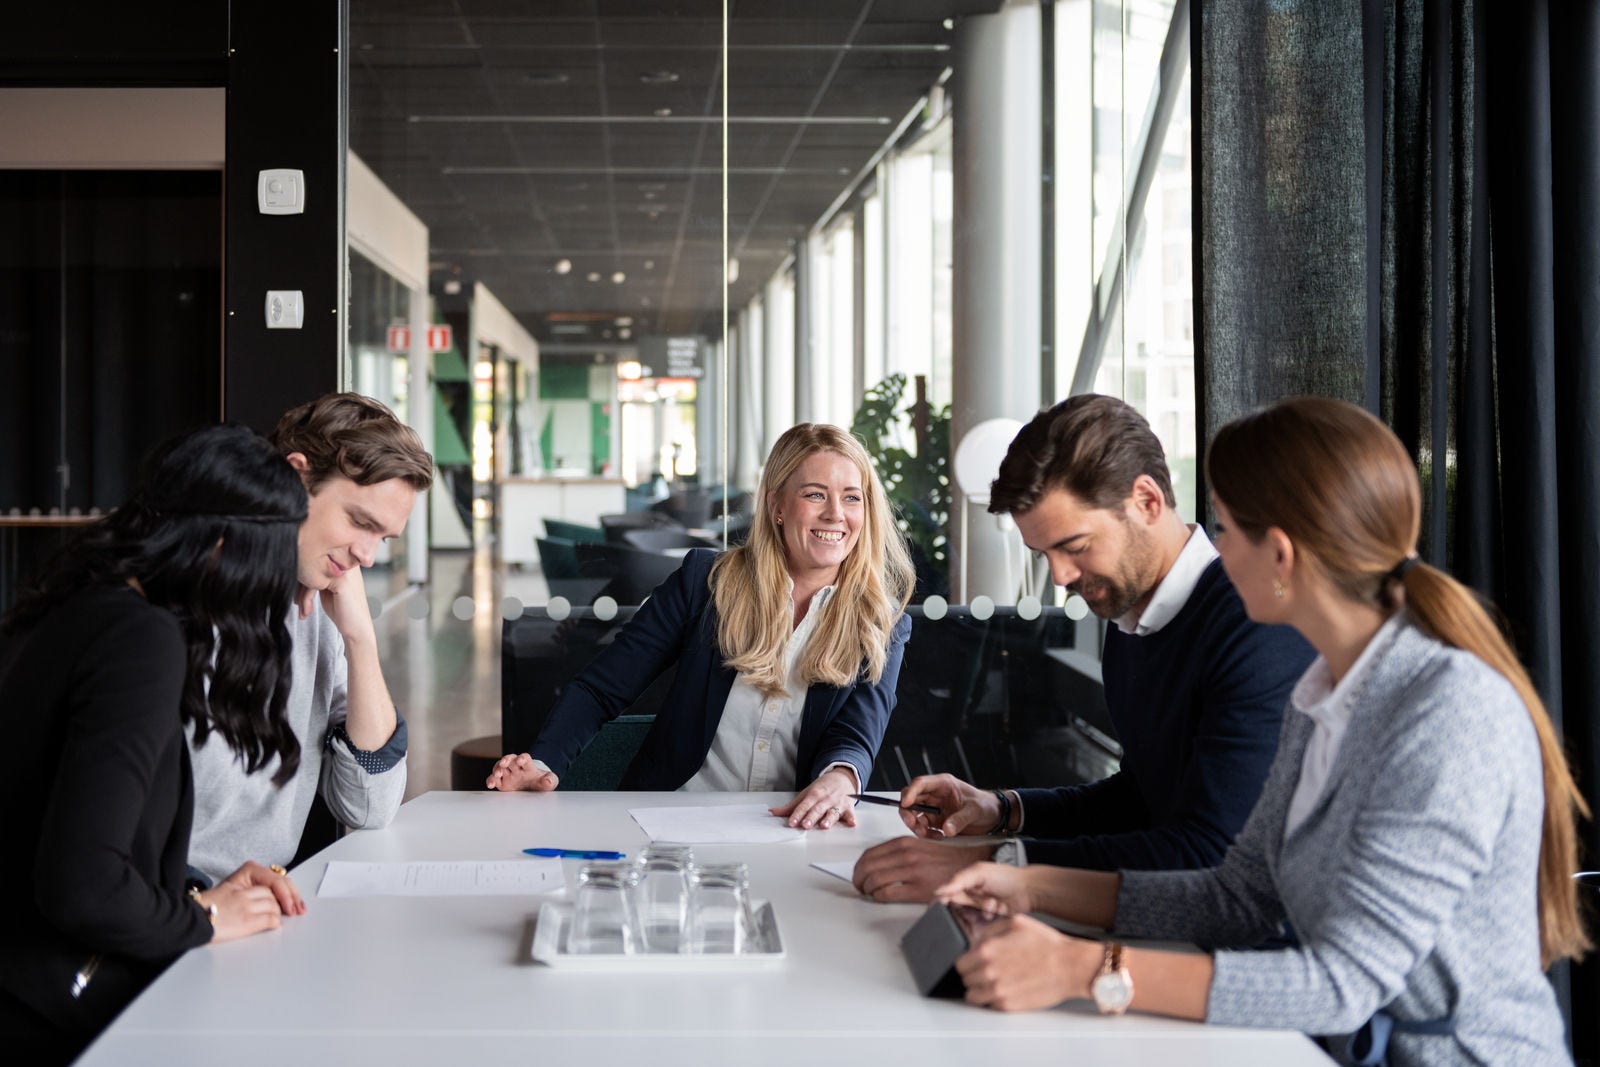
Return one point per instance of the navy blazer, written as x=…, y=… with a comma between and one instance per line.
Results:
x=678, y=624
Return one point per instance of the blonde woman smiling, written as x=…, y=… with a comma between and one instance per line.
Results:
x=787, y=648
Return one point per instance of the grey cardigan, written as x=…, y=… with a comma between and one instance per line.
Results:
x=1412, y=885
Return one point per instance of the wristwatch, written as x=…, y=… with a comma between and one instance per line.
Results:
x=1010, y=853
x=1112, y=988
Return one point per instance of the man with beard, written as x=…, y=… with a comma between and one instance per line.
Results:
x=1195, y=690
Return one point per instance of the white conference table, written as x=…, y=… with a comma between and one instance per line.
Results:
x=398, y=981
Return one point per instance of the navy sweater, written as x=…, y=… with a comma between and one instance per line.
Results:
x=1197, y=707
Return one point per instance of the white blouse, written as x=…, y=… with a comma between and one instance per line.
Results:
x=1328, y=706
x=756, y=744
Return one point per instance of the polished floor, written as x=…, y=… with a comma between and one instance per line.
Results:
x=440, y=648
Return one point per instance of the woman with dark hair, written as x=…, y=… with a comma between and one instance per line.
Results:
x=1417, y=830
x=168, y=613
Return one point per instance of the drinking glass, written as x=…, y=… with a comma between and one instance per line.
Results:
x=719, y=909
x=603, y=917
x=664, y=896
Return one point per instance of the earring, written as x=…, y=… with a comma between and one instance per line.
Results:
x=1277, y=589
x=780, y=520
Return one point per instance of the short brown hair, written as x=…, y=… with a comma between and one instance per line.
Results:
x=1095, y=447
x=355, y=437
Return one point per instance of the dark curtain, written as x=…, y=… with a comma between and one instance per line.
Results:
x=110, y=327
x=1396, y=205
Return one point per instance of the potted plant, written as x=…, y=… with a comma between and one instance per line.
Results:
x=917, y=481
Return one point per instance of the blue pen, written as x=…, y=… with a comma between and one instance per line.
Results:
x=575, y=853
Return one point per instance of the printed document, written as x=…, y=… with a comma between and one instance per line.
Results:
x=720, y=824
x=500, y=878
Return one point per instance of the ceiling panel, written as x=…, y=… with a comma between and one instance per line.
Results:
x=588, y=131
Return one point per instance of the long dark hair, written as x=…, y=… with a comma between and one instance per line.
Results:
x=1340, y=485
x=210, y=534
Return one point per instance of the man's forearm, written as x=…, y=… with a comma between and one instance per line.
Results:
x=369, y=710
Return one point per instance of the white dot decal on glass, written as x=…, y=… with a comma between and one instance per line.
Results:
x=1028, y=608
x=511, y=609
x=935, y=607
x=605, y=609
x=417, y=607
x=982, y=608
x=1077, y=607
x=558, y=608
x=374, y=606
x=461, y=607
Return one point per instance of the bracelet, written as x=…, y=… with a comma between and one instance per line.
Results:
x=210, y=909
x=1005, y=813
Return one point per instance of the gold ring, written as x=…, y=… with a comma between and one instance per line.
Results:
x=276, y=869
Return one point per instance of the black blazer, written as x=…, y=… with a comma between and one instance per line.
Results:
x=97, y=796
x=678, y=624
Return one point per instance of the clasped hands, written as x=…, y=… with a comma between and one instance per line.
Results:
x=251, y=899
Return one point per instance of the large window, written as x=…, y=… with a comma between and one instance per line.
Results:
x=1124, y=303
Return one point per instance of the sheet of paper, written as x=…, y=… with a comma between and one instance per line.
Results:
x=500, y=878
x=721, y=824
x=842, y=869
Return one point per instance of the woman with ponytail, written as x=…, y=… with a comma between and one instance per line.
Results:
x=166, y=614
x=1417, y=833
x=787, y=648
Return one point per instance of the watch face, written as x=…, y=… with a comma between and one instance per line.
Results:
x=1113, y=992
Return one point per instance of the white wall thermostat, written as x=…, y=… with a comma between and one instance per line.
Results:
x=281, y=192
x=286, y=309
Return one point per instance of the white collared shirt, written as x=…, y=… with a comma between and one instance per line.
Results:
x=756, y=744
x=1173, y=592
x=1329, y=707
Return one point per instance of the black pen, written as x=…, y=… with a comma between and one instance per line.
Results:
x=926, y=809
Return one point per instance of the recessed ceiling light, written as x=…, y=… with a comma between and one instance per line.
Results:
x=949, y=24
x=563, y=266
x=594, y=276
x=452, y=286
x=659, y=77
x=545, y=77
x=624, y=334
x=619, y=277
x=624, y=320
x=663, y=112
x=649, y=264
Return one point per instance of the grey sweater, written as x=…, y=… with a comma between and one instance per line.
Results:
x=1412, y=884
x=240, y=817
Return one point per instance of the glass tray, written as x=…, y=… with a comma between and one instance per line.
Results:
x=549, y=948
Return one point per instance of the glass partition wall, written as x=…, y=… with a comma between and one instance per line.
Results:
x=661, y=234
x=711, y=230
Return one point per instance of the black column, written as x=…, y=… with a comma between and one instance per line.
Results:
x=286, y=109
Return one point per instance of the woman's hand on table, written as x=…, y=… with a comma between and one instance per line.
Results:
x=241, y=909
x=521, y=771
x=823, y=802
x=274, y=879
x=1017, y=963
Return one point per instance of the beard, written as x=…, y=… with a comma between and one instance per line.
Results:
x=1113, y=596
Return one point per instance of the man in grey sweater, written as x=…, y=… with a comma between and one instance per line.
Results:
x=363, y=469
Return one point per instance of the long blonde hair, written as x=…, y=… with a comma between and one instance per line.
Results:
x=1340, y=485
x=750, y=585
